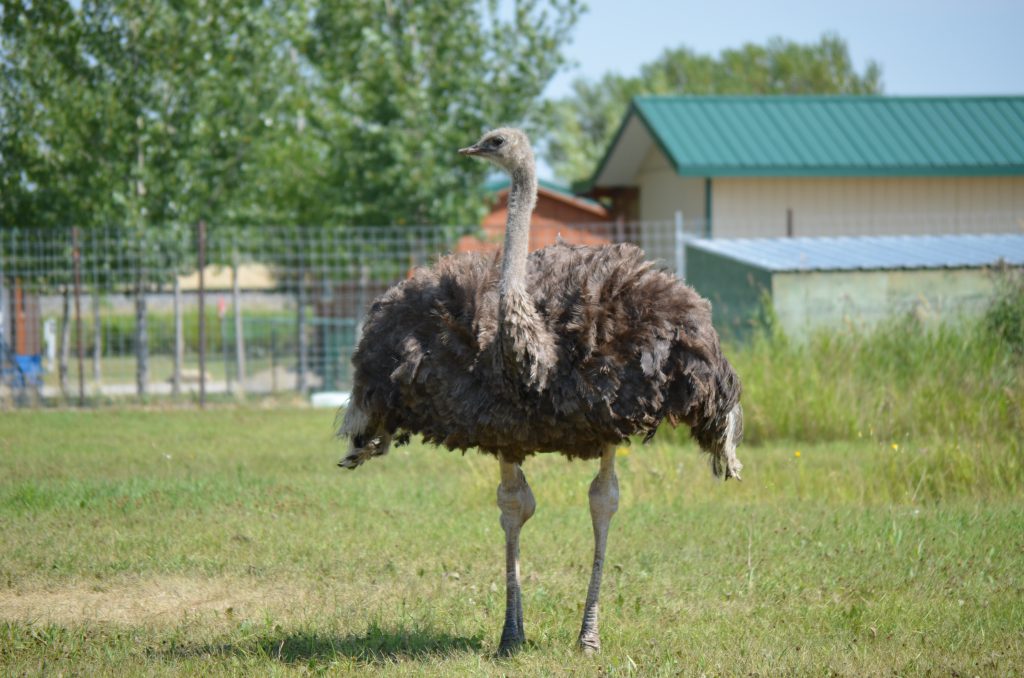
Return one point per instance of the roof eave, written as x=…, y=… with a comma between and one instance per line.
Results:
x=592, y=181
x=634, y=107
x=716, y=172
x=594, y=208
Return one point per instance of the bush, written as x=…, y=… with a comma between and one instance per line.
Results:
x=1004, y=319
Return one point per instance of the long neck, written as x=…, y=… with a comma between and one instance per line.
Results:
x=523, y=340
x=522, y=197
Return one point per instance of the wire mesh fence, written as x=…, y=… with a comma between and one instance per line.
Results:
x=111, y=312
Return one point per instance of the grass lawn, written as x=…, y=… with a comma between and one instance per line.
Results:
x=225, y=542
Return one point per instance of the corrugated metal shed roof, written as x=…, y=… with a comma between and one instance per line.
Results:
x=831, y=135
x=870, y=253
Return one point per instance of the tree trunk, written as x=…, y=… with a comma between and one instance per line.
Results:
x=179, y=340
x=65, y=341
x=141, y=342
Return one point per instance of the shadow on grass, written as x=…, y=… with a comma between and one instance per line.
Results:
x=377, y=645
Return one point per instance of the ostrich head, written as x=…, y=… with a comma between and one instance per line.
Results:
x=506, y=147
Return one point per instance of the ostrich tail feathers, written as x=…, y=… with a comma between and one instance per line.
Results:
x=724, y=461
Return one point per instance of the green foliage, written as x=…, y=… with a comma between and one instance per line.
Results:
x=264, y=331
x=1005, y=317
x=153, y=115
x=138, y=115
x=401, y=85
x=583, y=124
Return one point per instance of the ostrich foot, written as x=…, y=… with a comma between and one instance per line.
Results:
x=510, y=645
x=589, y=644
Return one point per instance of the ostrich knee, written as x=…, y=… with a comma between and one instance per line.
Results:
x=517, y=505
x=604, y=502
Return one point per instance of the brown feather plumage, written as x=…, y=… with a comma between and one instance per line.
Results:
x=628, y=346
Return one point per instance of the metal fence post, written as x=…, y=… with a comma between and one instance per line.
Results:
x=3, y=325
x=222, y=316
x=97, y=325
x=201, y=237
x=300, y=322
x=236, y=304
x=273, y=356
x=179, y=336
x=76, y=259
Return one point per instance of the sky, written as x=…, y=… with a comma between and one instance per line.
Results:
x=923, y=46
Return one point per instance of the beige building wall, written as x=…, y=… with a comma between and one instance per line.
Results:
x=757, y=207
x=663, y=192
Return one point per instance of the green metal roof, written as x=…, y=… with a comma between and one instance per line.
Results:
x=829, y=135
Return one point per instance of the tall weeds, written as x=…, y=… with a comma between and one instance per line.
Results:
x=960, y=381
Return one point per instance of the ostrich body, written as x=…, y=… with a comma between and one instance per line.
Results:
x=568, y=349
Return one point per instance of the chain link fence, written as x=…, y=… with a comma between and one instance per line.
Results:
x=104, y=313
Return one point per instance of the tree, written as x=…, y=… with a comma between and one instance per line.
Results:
x=116, y=111
x=146, y=116
x=402, y=84
x=582, y=125
x=139, y=115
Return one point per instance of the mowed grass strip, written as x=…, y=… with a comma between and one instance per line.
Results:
x=226, y=542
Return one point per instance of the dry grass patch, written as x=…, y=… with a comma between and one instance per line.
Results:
x=160, y=601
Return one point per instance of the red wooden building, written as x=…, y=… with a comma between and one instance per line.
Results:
x=578, y=220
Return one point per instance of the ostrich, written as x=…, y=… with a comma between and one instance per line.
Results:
x=569, y=349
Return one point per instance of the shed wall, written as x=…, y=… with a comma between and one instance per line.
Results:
x=807, y=301
x=735, y=290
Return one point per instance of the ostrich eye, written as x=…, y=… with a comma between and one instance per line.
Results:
x=497, y=142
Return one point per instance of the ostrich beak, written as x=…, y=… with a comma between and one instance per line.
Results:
x=469, y=150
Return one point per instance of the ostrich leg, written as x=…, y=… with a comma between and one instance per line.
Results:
x=604, y=501
x=517, y=504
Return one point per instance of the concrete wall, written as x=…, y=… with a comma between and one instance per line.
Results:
x=756, y=207
x=808, y=301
